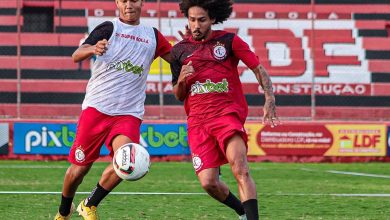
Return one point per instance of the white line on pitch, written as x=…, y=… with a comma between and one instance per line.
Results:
x=184, y=193
x=348, y=173
x=32, y=167
x=358, y=174
x=333, y=194
x=309, y=170
x=111, y=193
x=40, y=166
x=26, y=166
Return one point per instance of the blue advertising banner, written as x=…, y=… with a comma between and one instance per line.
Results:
x=4, y=138
x=45, y=138
x=56, y=139
x=165, y=139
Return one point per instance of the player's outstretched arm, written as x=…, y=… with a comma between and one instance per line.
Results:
x=167, y=57
x=86, y=51
x=269, y=105
x=180, y=89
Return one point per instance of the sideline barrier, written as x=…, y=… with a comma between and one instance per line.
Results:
x=291, y=141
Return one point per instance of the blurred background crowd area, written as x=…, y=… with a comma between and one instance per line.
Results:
x=328, y=59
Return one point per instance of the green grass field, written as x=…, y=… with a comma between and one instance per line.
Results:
x=31, y=190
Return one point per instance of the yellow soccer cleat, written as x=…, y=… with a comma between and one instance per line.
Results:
x=88, y=213
x=60, y=217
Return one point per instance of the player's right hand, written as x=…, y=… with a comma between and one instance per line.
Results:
x=185, y=35
x=269, y=116
x=186, y=71
x=101, y=47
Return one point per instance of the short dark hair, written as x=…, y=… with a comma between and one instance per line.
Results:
x=219, y=10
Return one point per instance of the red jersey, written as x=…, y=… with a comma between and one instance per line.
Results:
x=215, y=88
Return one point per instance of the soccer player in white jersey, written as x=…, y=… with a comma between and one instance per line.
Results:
x=113, y=107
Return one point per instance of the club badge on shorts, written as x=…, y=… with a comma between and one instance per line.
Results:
x=79, y=155
x=196, y=162
x=219, y=51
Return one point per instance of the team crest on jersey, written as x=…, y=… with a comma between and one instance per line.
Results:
x=219, y=51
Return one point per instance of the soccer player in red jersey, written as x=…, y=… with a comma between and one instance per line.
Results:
x=205, y=77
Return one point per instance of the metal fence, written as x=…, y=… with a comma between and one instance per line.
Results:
x=326, y=62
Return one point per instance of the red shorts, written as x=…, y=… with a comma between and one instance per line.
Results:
x=207, y=140
x=95, y=129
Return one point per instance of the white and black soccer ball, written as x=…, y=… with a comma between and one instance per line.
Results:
x=131, y=162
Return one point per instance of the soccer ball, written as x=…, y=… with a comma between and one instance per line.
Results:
x=131, y=162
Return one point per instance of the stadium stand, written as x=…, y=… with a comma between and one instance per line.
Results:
x=46, y=69
x=52, y=86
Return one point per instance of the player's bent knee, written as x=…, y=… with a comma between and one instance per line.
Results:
x=239, y=168
x=241, y=173
x=77, y=172
x=109, y=171
x=209, y=185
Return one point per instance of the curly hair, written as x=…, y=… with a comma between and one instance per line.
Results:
x=219, y=10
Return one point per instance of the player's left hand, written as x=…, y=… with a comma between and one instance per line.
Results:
x=186, y=71
x=269, y=110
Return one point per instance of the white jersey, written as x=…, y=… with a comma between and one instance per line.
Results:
x=118, y=82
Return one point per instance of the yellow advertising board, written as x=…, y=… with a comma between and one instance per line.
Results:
x=165, y=66
x=317, y=139
x=252, y=130
x=155, y=67
x=357, y=140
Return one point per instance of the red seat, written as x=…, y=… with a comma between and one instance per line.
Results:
x=381, y=89
x=40, y=62
x=9, y=20
x=379, y=66
x=376, y=43
x=33, y=85
x=370, y=24
x=41, y=39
